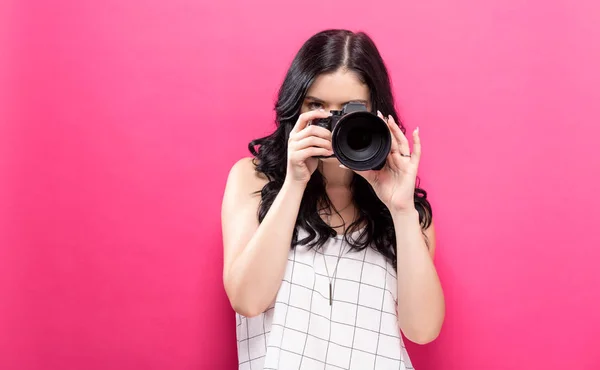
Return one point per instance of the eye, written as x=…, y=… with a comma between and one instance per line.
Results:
x=314, y=105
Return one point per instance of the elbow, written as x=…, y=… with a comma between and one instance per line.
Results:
x=424, y=329
x=246, y=310
x=242, y=303
x=424, y=337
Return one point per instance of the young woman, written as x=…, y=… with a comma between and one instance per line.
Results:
x=326, y=266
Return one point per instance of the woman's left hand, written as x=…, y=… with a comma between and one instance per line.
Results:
x=395, y=183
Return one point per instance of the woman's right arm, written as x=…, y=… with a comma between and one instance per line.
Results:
x=255, y=255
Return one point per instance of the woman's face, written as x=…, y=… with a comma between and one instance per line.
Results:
x=331, y=91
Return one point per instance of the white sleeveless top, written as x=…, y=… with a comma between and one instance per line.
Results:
x=301, y=330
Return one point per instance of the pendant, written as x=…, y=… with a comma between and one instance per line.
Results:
x=330, y=295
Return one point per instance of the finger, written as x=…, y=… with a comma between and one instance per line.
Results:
x=306, y=117
x=403, y=145
x=394, y=148
x=393, y=159
x=416, y=154
x=313, y=151
x=317, y=131
x=312, y=141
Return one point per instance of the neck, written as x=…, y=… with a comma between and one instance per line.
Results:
x=338, y=190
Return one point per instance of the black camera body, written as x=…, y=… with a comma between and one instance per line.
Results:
x=360, y=139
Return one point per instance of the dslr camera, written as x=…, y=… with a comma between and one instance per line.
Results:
x=360, y=139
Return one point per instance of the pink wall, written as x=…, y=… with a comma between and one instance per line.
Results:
x=125, y=116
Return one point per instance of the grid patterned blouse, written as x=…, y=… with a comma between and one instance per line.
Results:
x=306, y=329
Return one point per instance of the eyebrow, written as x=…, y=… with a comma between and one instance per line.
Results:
x=308, y=97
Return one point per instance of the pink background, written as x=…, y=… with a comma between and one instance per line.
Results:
x=121, y=119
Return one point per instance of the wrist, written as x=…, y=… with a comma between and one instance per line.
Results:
x=404, y=213
x=293, y=187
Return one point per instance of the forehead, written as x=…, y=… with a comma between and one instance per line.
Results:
x=338, y=87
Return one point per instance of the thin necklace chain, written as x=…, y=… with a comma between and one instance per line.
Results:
x=334, y=271
x=328, y=215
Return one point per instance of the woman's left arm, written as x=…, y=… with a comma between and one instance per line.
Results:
x=421, y=306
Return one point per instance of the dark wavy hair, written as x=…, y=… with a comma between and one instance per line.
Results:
x=323, y=53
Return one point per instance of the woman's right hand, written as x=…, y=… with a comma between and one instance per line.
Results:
x=306, y=142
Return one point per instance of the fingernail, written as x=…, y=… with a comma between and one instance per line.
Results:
x=379, y=113
x=417, y=130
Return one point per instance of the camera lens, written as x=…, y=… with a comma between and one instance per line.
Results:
x=359, y=138
x=361, y=141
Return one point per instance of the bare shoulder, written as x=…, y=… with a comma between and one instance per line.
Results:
x=243, y=175
x=243, y=186
x=241, y=200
